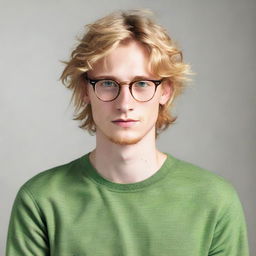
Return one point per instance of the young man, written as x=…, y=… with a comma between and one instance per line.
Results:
x=126, y=197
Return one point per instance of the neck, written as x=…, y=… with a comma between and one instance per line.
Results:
x=126, y=163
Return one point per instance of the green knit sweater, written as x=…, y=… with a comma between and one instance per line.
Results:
x=181, y=210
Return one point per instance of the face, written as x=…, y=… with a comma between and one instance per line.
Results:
x=125, y=121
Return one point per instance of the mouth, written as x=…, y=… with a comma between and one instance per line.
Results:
x=126, y=123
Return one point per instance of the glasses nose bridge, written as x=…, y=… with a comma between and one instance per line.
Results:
x=124, y=84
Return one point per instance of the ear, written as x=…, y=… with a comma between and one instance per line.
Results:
x=166, y=92
x=86, y=97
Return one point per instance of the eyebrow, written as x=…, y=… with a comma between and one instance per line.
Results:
x=136, y=78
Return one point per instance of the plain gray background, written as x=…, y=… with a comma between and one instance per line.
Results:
x=216, y=122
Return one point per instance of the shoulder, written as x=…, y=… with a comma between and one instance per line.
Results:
x=205, y=184
x=53, y=179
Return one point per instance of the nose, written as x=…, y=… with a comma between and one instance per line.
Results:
x=124, y=101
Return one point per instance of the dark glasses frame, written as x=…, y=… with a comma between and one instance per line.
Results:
x=94, y=81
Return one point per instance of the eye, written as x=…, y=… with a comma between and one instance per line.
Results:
x=142, y=84
x=107, y=84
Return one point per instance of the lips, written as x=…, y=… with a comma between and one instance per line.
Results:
x=125, y=122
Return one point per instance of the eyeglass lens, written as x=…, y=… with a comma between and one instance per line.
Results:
x=108, y=90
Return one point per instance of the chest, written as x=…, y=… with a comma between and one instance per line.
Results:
x=121, y=224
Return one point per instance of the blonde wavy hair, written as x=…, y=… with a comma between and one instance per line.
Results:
x=102, y=37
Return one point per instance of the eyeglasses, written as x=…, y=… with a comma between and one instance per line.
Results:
x=109, y=90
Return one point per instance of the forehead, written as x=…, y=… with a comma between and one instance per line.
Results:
x=127, y=60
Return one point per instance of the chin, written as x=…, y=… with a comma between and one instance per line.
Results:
x=126, y=137
x=121, y=140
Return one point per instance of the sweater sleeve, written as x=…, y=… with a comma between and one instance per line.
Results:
x=27, y=233
x=230, y=235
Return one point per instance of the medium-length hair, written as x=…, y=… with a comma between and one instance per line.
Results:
x=102, y=37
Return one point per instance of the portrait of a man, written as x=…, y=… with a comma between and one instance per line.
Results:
x=126, y=196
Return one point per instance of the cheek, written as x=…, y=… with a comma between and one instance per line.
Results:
x=96, y=113
x=152, y=112
x=99, y=111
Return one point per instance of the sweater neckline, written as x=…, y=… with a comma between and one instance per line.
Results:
x=93, y=175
